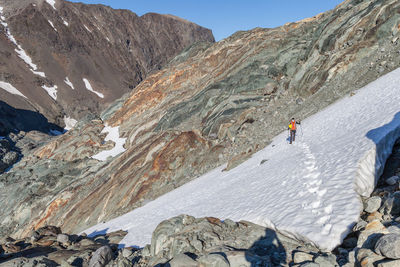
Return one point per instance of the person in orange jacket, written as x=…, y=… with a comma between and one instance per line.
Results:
x=292, y=128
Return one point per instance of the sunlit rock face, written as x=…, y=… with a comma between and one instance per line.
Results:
x=71, y=59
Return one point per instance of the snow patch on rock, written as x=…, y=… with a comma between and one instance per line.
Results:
x=87, y=28
x=52, y=91
x=90, y=88
x=21, y=52
x=309, y=190
x=52, y=25
x=52, y=3
x=11, y=89
x=113, y=135
x=69, y=123
x=69, y=83
x=65, y=22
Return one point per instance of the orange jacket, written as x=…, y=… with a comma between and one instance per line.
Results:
x=292, y=125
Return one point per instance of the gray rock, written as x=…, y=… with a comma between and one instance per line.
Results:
x=392, y=180
x=310, y=264
x=389, y=246
x=389, y=263
x=124, y=263
x=360, y=225
x=63, y=238
x=10, y=158
x=300, y=257
x=182, y=260
x=101, y=257
x=394, y=229
x=372, y=204
x=367, y=258
x=369, y=236
x=213, y=260
x=126, y=253
x=146, y=251
x=326, y=260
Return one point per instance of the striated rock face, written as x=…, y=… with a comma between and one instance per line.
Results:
x=211, y=104
x=55, y=56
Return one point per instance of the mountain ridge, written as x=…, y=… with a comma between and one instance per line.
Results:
x=112, y=49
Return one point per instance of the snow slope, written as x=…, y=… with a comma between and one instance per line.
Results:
x=309, y=190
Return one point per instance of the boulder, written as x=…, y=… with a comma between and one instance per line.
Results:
x=213, y=260
x=392, y=180
x=328, y=260
x=372, y=204
x=101, y=257
x=63, y=238
x=360, y=225
x=367, y=258
x=49, y=230
x=372, y=232
x=389, y=263
x=182, y=260
x=300, y=257
x=310, y=264
x=388, y=246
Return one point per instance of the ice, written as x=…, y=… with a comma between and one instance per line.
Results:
x=11, y=89
x=309, y=190
x=69, y=123
x=52, y=91
x=113, y=135
x=90, y=88
x=65, y=23
x=69, y=83
x=52, y=3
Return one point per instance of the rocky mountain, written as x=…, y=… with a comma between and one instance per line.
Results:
x=214, y=103
x=65, y=60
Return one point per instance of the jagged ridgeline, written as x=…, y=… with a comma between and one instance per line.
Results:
x=213, y=103
x=65, y=60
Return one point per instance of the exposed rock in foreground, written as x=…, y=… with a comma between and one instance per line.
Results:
x=210, y=105
x=73, y=59
x=181, y=241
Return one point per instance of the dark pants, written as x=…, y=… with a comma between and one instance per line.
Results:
x=292, y=136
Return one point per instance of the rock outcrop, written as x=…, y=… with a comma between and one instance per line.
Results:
x=70, y=59
x=211, y=104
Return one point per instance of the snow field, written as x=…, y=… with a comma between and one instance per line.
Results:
x=90, y=88
x=11, y=89
x=308, y=190
x=113, y=135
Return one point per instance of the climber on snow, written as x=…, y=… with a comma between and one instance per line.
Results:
x=292, y=129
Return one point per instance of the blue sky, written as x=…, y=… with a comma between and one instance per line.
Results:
x=225, y=17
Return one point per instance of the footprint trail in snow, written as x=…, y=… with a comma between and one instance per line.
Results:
x=312, y=184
